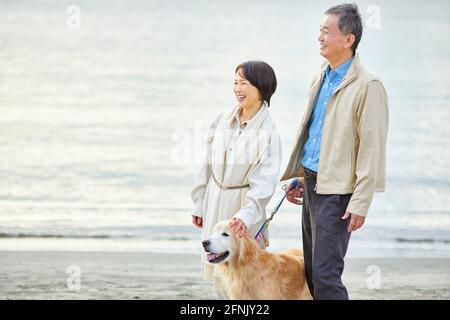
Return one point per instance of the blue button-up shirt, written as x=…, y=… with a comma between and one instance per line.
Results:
x=331, y=80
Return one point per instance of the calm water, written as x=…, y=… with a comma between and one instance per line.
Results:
x=101, y=126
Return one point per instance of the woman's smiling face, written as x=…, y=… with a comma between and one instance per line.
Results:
x=247, y=95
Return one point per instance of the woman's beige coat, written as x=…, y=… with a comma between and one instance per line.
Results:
x=252, y=158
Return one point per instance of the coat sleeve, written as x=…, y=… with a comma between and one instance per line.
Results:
x=203, y=176
x=371, y=152
x=262, y=180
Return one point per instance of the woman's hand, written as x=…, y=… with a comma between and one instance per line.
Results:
x=197, y=221
x=238, y=226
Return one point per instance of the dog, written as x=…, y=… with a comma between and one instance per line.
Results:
x=249, y=272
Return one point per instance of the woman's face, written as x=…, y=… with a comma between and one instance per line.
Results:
x=247, y=95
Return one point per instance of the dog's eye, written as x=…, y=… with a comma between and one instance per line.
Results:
x=225, y=234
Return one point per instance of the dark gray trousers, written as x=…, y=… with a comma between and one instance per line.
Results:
x=325, y=241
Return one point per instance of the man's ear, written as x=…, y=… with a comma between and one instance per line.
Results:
x=349, y=40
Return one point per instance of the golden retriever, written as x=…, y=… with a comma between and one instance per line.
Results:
x=249, y=272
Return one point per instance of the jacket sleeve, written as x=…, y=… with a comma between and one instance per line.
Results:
x=201, y=182
x=262, y=180
x=372, y=134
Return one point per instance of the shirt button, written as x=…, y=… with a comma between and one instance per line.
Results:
x=320, y=122
x=314, y=140
x=309, y=158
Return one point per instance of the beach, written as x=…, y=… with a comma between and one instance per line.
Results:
x=156, y=276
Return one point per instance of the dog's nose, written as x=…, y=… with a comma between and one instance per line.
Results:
x=206, y=243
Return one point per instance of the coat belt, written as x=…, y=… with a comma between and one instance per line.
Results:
x=223, y=187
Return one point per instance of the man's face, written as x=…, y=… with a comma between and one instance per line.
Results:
x=332, y=41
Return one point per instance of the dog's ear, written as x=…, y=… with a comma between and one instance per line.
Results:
x=247, y=250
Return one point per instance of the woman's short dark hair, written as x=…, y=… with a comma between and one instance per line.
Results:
x=261, y=76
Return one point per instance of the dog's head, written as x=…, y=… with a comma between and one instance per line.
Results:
x=219, y=246
x=224, y=245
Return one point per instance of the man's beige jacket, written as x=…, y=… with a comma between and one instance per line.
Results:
x=353, y=148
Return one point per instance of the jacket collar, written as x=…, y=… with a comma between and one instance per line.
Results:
x=352, y=73
x=341, y=71
x=261, y=114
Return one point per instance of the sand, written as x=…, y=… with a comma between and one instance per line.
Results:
x=119, y=275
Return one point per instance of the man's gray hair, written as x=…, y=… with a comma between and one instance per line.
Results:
x=350, y=21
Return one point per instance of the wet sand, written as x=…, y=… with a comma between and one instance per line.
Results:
x=119, y=275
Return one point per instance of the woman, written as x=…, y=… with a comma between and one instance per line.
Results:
x=242, y=162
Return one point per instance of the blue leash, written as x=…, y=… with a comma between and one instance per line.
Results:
x=295, y=184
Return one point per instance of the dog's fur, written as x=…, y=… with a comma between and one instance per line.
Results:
x=249, y=272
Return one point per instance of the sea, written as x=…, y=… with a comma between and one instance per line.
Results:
x=104, y=106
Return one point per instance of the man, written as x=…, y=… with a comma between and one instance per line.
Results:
x=339, y=153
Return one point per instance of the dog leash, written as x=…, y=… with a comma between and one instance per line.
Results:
x=295, y=184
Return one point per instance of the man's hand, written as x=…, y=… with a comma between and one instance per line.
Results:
x=294, y=194
x=238, y=226
x=197, y=221
x=356, y=221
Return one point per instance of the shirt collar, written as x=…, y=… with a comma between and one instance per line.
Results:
x=341, y=71
x=236, y=116
x=258, y=114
